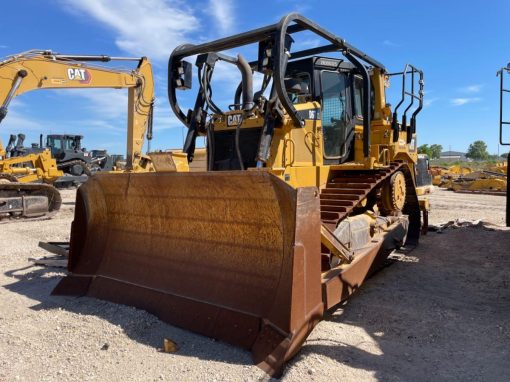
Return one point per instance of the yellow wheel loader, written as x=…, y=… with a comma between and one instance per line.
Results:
x=48, y=70
x=310, y=184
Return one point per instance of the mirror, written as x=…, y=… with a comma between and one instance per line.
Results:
x=183, y=75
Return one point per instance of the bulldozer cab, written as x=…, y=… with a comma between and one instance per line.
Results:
x=60, y=144
x=64, y=142
x=337, y=86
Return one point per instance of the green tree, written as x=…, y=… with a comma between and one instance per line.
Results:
x=435, y=151
x=504, y=155
x=425, y=149
x=478, y=151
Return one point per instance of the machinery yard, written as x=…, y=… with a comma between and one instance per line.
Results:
x=441, y=312
x=308, y=223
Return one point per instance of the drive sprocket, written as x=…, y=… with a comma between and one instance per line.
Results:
x=393, y=194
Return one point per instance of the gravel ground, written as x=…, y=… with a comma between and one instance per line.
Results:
x=440, y=313
x=448, y=205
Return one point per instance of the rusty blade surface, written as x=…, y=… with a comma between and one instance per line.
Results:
x=232, y=255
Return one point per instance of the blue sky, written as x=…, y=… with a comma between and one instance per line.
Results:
x=459, y=44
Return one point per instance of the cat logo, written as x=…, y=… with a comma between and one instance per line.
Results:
x=233, y=119
x=79, y=74
x=312, y=114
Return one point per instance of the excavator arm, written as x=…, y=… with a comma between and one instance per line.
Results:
x=47, y=70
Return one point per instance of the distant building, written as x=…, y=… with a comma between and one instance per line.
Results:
x=453, y=156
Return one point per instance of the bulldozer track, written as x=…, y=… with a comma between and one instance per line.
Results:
x=32, y=189
x=347, y=189
x=8, y=178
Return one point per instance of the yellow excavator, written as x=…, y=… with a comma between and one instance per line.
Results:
x=48, y=70
x=310, y=184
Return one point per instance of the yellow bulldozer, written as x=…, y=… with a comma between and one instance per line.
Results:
x=310, y=184
x=48, y=70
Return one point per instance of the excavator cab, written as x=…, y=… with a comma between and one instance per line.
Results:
x=309, y=186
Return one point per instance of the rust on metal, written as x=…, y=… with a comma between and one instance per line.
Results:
x=232, y=255
x=236, y=256
x=348, y=190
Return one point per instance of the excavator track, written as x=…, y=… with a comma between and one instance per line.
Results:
x=28, y=201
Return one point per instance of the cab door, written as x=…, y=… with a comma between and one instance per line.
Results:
x=337, y=116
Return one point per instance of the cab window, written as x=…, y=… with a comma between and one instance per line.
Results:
x=357, y=85
x=69, y=144
x=54, y=142
x=334, y=113
x=298, y=86
x=358, y=97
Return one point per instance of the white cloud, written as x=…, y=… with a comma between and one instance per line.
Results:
x=164, y=117
x=16, y=122
x=110, y=106
x=143, y=28
x=307, y=43
x=104, y=103
x=464, y=101
x=390, y=43
x=429, y=101
x=475, y=88
x=101, y=125
x=17, y=119
x=223, y=12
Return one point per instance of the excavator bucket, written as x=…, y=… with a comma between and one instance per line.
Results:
x=232, y=255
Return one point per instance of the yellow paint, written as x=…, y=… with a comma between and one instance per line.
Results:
x=45, y=72
x=297, y=153
x=32, y=167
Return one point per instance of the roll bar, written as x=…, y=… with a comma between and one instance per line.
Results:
x=277, y=34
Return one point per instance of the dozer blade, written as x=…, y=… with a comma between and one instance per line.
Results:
x=232, y=255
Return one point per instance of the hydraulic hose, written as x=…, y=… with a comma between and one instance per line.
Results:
x=247, y=81
x=238, y=150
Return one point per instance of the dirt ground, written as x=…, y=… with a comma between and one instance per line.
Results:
x=440, y=313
